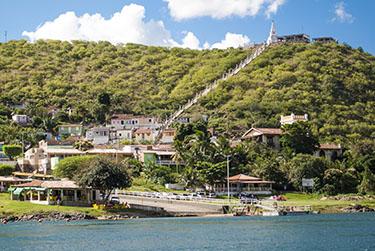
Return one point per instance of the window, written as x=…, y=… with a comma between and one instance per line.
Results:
x=270, y=141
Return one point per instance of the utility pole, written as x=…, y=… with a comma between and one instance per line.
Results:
x=5, y=36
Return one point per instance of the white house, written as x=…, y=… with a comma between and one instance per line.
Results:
x=122, y=134
x=35, y=159
x=98, y=135
x=292, y=118
x=21, y=119
x=128, y=121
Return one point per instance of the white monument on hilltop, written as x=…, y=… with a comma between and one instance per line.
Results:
x=272, y=38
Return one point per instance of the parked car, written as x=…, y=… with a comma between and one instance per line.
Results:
x=248, y=198
x=211, y=195
x=115, y=200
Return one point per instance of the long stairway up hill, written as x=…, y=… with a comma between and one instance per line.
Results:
x=256, y=52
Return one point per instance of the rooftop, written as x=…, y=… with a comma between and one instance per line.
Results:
x=55, y=184
x=143, y=130
x=242, y=178
x=330, y=146
x=12, y=178
x=70, y=125
x=261, y=131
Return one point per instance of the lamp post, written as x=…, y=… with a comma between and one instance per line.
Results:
x=228, y=178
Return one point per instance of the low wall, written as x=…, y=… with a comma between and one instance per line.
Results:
x=148, y=208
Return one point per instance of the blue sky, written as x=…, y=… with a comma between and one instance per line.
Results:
x=189, y=23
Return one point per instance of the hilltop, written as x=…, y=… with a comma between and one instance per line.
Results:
x=334, y=84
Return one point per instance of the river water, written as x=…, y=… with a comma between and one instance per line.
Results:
x=310, y=232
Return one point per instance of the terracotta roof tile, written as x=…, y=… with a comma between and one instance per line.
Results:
x=330, y=146
x=143, y=130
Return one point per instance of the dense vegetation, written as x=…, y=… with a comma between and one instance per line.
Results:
x=86, y=82
x=87, y=77
x=334, y=84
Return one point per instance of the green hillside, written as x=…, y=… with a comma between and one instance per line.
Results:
x=139, y=79
x=334, y=84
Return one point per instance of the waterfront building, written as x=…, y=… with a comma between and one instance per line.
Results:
x=242, y=183
x=7, y=181
x=54, y=192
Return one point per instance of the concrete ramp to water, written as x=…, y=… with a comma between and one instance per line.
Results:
x=173, y=207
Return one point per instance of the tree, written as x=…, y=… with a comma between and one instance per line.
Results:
x=83, y=145
x=12, y=150
x=70, y=166
x=305, y=166
x=213, y=173
x=368, y=182
x=134, y=166
x=104, y=174
x=6, y=170
x=104, y=98
x=159, y=174
x=332, y=181
x=298, y=138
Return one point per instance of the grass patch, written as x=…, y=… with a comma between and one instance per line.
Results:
x=316, y=202
x=17, y=208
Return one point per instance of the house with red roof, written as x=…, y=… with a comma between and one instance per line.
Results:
x=268, y=136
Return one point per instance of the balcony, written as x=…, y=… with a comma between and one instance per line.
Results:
x=166, y=162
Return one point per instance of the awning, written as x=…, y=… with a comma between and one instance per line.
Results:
x=11, y=189
x=18, y=191
x=41, y=189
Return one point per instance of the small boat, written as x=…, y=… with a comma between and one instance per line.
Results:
x=270, y=213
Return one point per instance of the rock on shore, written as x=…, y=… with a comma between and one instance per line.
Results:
x=54, y=216
x=357, y=209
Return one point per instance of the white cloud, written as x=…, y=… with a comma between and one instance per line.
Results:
x=218, y=9
x=273, y=7
x=126, y=26
x=190, y=41
x=341, y=14
x=231, y=40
